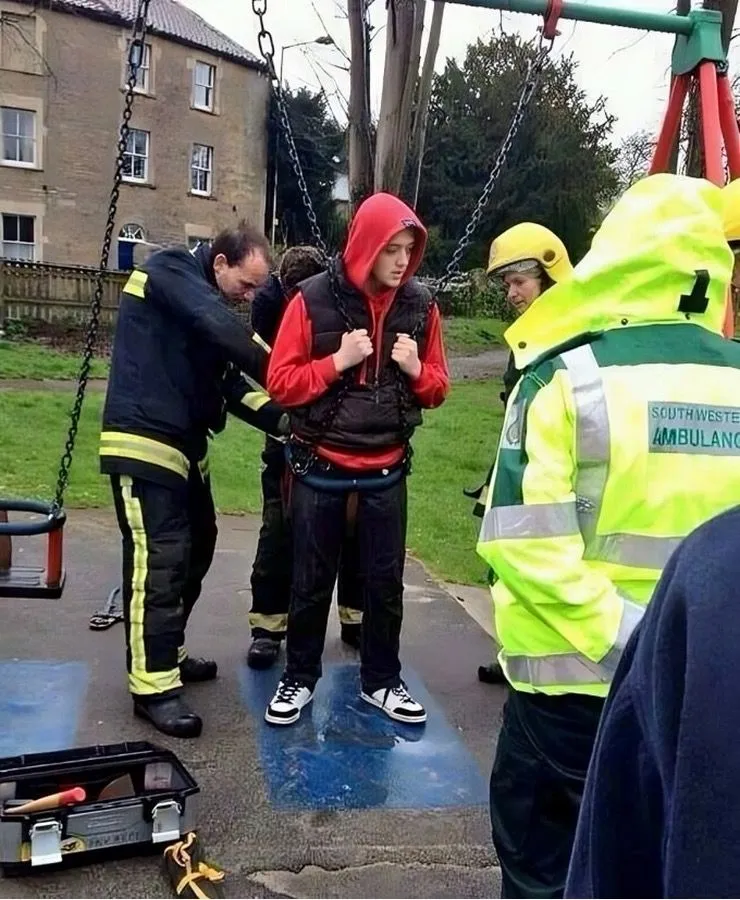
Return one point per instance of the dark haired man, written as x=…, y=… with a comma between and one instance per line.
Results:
x=272, y=569
x=178, y=357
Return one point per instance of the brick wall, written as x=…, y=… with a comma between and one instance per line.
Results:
x=74, y=83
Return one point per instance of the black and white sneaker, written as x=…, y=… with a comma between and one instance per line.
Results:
x=397, y=703
x=290, y=698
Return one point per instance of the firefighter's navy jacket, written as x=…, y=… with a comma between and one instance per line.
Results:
x=181, y=360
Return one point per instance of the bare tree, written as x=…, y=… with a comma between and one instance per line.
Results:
x=633, y=162
x=424, y=94
x=360, y=135
x=402, y=57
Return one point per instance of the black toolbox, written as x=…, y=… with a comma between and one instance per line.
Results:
x=149, y=800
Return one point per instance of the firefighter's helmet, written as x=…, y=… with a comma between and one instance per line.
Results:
x=731, y=214
x=529, y=241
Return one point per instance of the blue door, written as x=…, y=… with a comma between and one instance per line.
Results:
x=125, y=255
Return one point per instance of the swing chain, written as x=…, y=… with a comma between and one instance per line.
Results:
x=267, y=49
x=136, y=55
x=535, y=68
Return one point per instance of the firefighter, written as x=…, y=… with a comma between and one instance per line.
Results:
x=619, y=439
x=178, y=360
x=272, y=569
x=358, y=355
x=529, y=259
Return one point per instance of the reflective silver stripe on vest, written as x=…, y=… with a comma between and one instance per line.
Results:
x=536, y=520
x=574, y=668
x=592, y=438
x=637, y=550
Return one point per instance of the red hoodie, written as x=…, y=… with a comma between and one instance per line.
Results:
x=294, y=378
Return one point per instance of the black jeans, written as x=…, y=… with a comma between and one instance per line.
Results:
x=537, y=782
x=273, y=563
x=318, y=520
x=169, y=538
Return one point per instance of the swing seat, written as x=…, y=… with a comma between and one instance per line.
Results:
x=33, y=582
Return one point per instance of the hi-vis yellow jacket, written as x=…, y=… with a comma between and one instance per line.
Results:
x=622, y=436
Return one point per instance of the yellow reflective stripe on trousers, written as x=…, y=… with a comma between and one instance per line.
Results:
x=274, y=623
x=349, y=616
x=261, y=343
x=533, y=520
x=255, y=400
x=141, y=681
x=572, y=669
x=133, y=446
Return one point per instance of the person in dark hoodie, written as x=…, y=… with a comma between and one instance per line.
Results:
x=358, y=355
x=181, y=359
x=660, y=816
x=272, y=568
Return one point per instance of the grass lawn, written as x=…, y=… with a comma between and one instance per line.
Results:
x=26, y=360
x=453, y=450
x=470, y=336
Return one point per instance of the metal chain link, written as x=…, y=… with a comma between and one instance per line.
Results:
x=136, y=55
x=531, y=81
x=267, y=49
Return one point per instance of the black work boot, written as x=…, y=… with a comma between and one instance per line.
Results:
x=492, y=674
x=170, y=715
x=263, y=653
x=351, y=635
x=193, y=669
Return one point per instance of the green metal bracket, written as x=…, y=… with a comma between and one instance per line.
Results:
x=703, y=44
x=698, y=35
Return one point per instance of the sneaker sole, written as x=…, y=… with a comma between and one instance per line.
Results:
x=281, y=720
x=420, y=720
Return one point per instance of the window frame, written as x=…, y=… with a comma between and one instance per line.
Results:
x=145, y=67
x=132, y=179
x=15, y=163
x=208, y=87
x=18, y=243
x=197, y=192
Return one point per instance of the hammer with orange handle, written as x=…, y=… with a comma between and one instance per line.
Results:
x=51, y=801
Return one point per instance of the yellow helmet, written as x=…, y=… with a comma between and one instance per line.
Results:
x=525, y=241
x=731, y=214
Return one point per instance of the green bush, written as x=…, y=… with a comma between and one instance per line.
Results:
x=477, y=297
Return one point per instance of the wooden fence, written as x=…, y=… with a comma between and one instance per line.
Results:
x=55, y=294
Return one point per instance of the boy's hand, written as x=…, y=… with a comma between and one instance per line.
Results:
x=406, y=353
x=356, y=346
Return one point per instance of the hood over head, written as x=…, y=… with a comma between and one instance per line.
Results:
x=376, y=221
x=643, y=259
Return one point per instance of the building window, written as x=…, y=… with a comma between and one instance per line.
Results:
x=195, y=242
x=128, y=237
x=204, y=79
x=201, y=170
x=143, y=73
x=136, y=157
x=19, y=136
x=18, y=237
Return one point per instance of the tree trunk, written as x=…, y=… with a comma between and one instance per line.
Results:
x=424, y=95
x=729, y=12
x=360, y=145
x=402, y=55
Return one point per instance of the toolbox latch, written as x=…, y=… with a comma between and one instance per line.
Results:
x=166, y=821
x=46, y=843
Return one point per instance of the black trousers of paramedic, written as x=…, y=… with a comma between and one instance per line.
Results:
x=169, y=538
x=318, y=525
x=537, y=782
x=272, y=571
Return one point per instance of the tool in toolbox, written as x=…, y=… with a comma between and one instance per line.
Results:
x=83, y=804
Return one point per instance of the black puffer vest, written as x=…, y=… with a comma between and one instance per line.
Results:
x=383, y=412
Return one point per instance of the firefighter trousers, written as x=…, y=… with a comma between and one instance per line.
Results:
x=272, y=572
x=169, y=538
x=544, y=748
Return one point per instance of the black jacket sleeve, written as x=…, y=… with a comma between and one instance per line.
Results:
x=248, y=401
x=177, y=284
x=267, y=309
x=661, y=809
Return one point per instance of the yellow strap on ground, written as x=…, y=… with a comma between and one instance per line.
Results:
x=136, y=285
x=133, y=446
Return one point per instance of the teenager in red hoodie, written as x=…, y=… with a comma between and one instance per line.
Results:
x=358, y=355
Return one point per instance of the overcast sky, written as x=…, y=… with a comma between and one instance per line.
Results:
x=629, y=67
